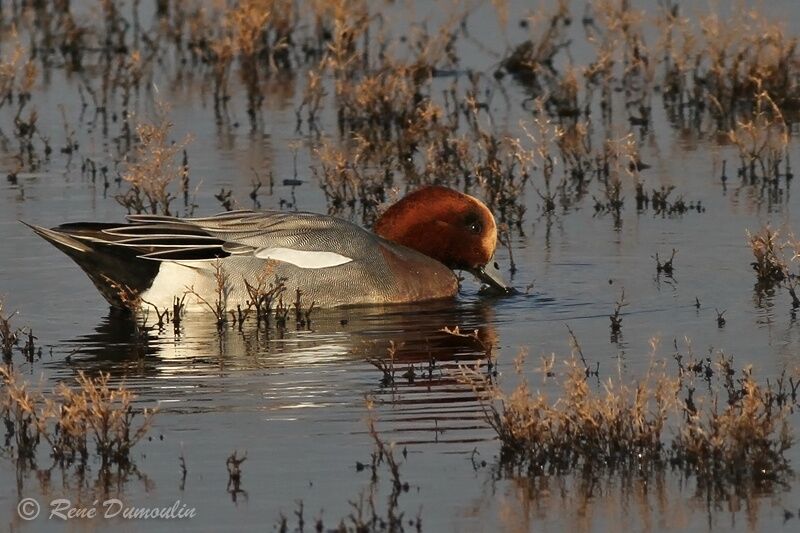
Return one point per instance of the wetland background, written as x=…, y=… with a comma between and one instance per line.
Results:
x=600, y=133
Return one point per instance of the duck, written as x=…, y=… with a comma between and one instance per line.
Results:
x=223, y=260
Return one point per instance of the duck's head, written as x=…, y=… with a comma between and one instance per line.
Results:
x=449, y=226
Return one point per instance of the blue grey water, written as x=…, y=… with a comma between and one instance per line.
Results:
x=297, y=404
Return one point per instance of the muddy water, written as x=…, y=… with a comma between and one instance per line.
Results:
x=296, y=403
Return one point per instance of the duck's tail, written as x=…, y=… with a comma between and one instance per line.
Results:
x=117, y=271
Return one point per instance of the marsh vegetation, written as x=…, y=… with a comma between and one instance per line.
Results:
x=638, y=159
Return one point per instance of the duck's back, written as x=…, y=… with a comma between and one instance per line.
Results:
x=331, y=261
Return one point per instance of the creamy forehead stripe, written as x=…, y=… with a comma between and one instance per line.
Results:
x=303, y=258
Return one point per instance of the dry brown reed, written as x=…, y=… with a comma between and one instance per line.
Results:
x=9, y=335
x=264, y=293
x=19, y=74
x=393, y=120
x=732, y=61
x=386, y=365
x=153, y=167
x=258, y=34
x=583, y=428
x=72, y=419
x=735, y=435
x=742, y=441
x=761, y=140
x=219, y=307
x=770, y=263
x=532, y=61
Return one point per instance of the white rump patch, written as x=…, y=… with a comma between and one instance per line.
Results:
x=172, y=280
x=303, y=258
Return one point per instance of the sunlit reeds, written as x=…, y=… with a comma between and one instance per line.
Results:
x=154, y=167
x=91, y=419
x=9, y=334
x=737, y=433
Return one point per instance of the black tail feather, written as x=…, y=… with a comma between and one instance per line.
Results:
x=118, y=272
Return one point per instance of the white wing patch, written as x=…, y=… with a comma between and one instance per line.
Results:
x=303, y=258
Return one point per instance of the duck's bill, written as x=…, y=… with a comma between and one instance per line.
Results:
x=491, y=276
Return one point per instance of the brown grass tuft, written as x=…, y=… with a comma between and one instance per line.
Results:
x=153, y=167
x=72, y=417
x=622, y=425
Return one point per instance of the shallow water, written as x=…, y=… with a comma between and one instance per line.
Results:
x=296, y=403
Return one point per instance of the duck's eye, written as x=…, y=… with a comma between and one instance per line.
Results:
x=476, y=228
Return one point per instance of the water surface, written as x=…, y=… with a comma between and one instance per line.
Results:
x=297, y=402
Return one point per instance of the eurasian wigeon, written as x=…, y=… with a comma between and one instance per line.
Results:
x=410, y=256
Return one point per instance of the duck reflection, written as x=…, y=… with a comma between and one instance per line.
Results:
x=416, y=332
x=400, y=357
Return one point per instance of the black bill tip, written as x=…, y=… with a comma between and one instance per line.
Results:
x=490, y=275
